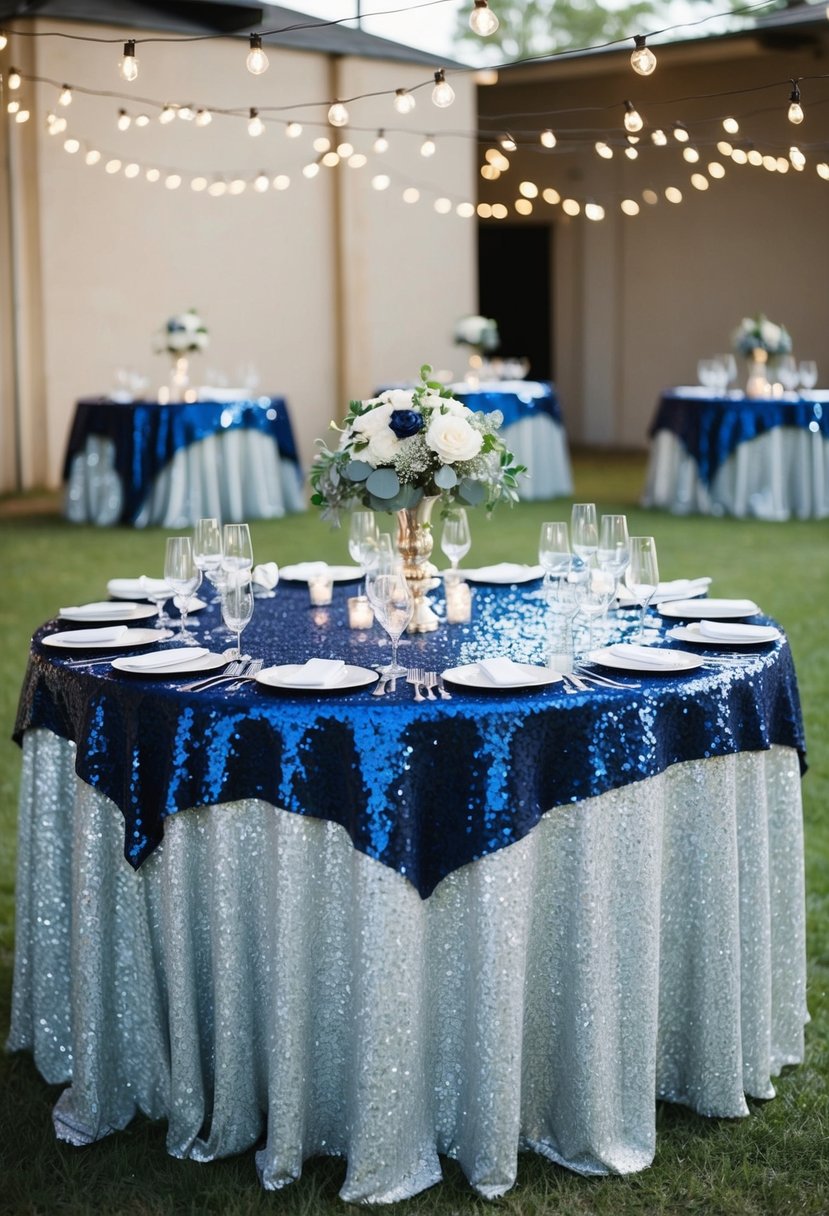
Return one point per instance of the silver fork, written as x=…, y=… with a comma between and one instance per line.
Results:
x=250, y=673
x=232, y=670
x=430, y=679
x=415, y=677
x=573, y=683
x=596, y=679
x=445, y=694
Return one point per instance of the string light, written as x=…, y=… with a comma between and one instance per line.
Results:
x=427, y=148
x=65, y=97
x=404, y=101
x=755, y=158
x=551, y=196
x=132, y=170
x=680, y=133
x=593, y=211
x=203, y=118
x=633, y=119
x=629, y=206
x=311, y=170
x=13, y=107
x=642, y=59
x=186, y=113
x=93, y=156
x=442, y=94
x=21, y=116
x=673, y=195
x=167, y=115
x=632, y=153
x=570, y=207
x=523, y=206
x=528, y=189
x=381, y=182
x=482, y=20
x=330, y=159
x=604, y=150
x=338, y=114
x=198, y=184
x=281, y=181
x=690, y=154
x=128, y=67
x=548, y=139
x=257, y=60
x=344, y=150
x=725, y=148
x=699, y=181
x=71, y=146
x=322, y=143
x=56, y=125
x=465, y=210
x=142, y=120
x=507, y=142
x=14, y=80
x=659, y=137
x=293, y=130
x=261, y=182
x=823, y=170
x=443, y=205
x=730, y=126
x=124, y=120
x=795, y=108
x=381, y=144
x=357, y=160
x=797, y=159
x=411, y=194
x=4, y=42
x=255, y=124
x=152, y=175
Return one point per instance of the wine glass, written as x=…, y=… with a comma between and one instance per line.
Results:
x=237, y=607
x=183, y=576
x=455, y=540
x=362, y=537
x=238, y=550
x=787, y=373
x=157, y=592
x=729, y=366
x=391, y=599
x=207, y=551
x=554, y=550
x=642, y=578
x=583, y=530
x=613, y=553
x=593, y=594
x=807, y=373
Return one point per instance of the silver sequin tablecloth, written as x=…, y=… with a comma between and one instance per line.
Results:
x=262, y=985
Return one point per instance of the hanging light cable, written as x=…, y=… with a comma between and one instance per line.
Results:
x=795, y=108
x=482, y=20
x=642, y=58
x=257, y=60
x=128, y=67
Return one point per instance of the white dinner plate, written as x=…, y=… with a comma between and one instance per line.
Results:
x=503, y=574
x=339, y=574
x=133, y=637
x=283, y=676
x=471, y=676
x=140, y=612
x=691, y=633
x=207, y=662
x=709, y=610
x=681, y=661
x=664, y=593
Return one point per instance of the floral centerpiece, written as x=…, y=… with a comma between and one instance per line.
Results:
x=181, y=336
x=478, y=332
x=406, y=450
x=759, y=333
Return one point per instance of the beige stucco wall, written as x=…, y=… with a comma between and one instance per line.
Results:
x=639, y=300
x=328, y=288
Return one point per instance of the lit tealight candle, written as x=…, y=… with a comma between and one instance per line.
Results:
x=360, y=614
x=458, y=602
x=320, y=587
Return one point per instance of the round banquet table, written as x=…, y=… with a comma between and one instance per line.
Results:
x=334, y=923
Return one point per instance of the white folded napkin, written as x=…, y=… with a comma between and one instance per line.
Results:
x=504, y=572
x=644, y=654
x=152, y=585
x=165, y=658
x=319, y=673
x=681, y=588
x=747, y=607
x=113, y=633
x=304, y=570
x=502, y=671
x=93, y=612
x=723, y=631
x=266, y=575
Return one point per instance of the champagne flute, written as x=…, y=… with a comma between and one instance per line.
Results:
x=362, y=537
x=613, y=553
x=207, y=551
x=583, y=530
x=554, y=549
x=642, y=578
x=807, y=373
x=183, y=576
x=237, y=606
x=391, y=599
x=455, y=540
x=238, y=550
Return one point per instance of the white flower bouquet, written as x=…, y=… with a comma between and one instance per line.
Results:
x=410, y=444
x=480, y=332
x=759, y=333
x=183, y=335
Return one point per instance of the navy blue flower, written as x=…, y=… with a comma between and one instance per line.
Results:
x=405, y=423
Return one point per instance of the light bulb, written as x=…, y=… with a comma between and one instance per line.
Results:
x=604, y=150
x=357, y=160
x=690, y=154
x=128, y=66
x=203, y=118
x=255, y=124
x=411, y=194
x=293, y=130
x=186, y=113
x=167, y=114
x=680, y=133
x=71, y=146
x=21, y=116
x=198, y=184
x=281, y=181
x=482, y=20
x=261, y=182
x=659, y=137
x=548, y=139
x=632, y=153
x=404, y=101
x=442, y=94
x=14, y=79
x=795, y=108
x=132, y=169
x=322, y=143
x=65, y=98
x=124, y=120
x=142, y=120
x=58, y=126
x=642, y=59
x=633, y=119
x=4, y=42
x=381, y=144
x=381, y=182
x=330, y=159
x=257, y=60
x=311, y=170
x=427, y=148
x=507, y=142
x=13, y=107
x=93, y=156
x=730, y=125
x=152, y=175
x=338, y=114
x=344, y=150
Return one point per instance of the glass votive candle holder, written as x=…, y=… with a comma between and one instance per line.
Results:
x=360, y=612
x=320, y=588
x=458, y=602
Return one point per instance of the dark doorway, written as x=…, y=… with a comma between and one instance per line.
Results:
x=514, y=263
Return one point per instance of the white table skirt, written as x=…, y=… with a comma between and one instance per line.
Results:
x=540, y=443
x=234, y=475
x=780, y=474
x=259, y=980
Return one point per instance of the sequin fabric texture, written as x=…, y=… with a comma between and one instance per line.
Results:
x=422, y=788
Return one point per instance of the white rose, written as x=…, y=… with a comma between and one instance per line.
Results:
x=375, y=420
x=382, y=448
x=452, y=406
x=770, y=333
x=398, y=398
x=452, y=438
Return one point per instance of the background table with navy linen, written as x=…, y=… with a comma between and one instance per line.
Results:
x=386, y=930
x=142, y=463
x=732, y=455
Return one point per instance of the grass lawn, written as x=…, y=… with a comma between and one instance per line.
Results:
x=776, y=1161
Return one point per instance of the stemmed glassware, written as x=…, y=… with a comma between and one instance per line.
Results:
x=593, y=592
x=208, y=552
x=786, y=373
x=237, y=606
x=183, y=576
x=554, y=550
x=642, y=578
x=390, y=597
x=583, y=531
x=455, y=539
x=613, y=553
x=807, y=373
x=238, y=550
x=157, y=592
x=362, y=538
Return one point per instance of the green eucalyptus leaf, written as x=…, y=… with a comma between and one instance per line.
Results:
x=383, y=483
x=472, y=492
x=446, y=477
x=357, y=470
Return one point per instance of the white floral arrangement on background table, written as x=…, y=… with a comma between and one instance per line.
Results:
x=184, y=334
x=759, y=333
x=409, y=444
x=480, y=332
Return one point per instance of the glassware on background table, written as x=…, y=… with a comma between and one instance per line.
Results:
x=237, y=546
x=390, y=597
x=584, y=533
x=237, y=607
x=807, y=373
x=183, y=576
x=642, y=579
x=208, y=551
x=455, y=539
x=157, y=591
x=729, y=370
x=786, y=373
